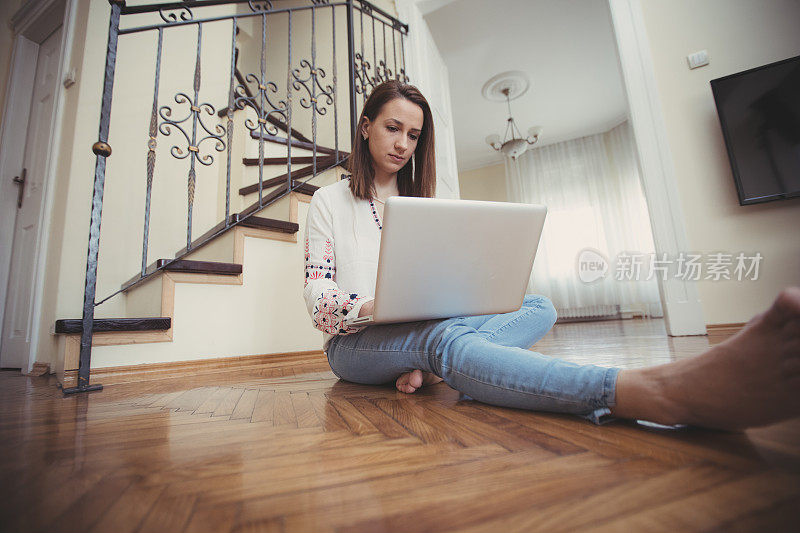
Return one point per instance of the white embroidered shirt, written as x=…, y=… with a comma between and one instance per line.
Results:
x=342, y=242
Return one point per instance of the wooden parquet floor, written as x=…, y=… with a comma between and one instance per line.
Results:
x=288, y=447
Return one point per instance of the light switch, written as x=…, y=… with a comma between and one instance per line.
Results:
x=698, y=59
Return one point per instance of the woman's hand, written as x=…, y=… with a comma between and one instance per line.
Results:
x=367, y=308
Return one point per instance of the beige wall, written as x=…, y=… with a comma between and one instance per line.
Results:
x=738, y=34
x=484, y=183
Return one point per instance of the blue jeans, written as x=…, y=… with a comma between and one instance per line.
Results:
x=485, y=357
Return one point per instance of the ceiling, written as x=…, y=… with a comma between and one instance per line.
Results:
x=566, y=48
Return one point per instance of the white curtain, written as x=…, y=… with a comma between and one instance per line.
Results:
x=592, y=189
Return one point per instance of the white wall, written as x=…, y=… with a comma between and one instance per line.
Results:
x=738, y=34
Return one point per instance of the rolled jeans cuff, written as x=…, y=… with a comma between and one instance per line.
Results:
x=602, y=415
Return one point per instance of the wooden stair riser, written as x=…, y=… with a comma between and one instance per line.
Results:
x=146, y=299
x=219, y=249
x=278, y=209
x=229, y=247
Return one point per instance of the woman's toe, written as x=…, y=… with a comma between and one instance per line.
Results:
x=409, y=382
x=403, y=385
x=415, y=379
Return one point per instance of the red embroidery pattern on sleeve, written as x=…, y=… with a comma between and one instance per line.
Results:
x=327, y=255
x=315, y=270
x=331, y=311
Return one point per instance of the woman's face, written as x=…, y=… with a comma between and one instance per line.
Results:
x=393, y=135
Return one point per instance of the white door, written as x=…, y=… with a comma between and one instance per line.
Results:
x=18, y=317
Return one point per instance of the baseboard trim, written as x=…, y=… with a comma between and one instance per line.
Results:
x=719, y=332
x=718, y=328
x=598, y=318
x=115, y=375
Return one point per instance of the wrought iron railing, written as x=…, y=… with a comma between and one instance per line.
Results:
x=375, y=52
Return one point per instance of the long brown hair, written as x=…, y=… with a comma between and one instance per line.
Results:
x=423, y=161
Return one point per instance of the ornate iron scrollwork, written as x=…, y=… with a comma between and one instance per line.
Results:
x=177, y=14
x=259, y=5
x=242, y=99
x=386, y=75
x=361, y=74
x=195, y=112
x=310, y=84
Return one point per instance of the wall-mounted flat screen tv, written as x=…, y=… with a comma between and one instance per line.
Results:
x=759, y=110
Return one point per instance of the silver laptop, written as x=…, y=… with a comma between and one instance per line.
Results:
x=444, y=258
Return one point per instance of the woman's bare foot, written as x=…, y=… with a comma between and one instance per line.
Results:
x=411, y=381
x=751, y=379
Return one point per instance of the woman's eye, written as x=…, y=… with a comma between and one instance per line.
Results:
x=414, y=137
x=391, y=128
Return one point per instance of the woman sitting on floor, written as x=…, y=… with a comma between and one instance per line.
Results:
x=751, y=379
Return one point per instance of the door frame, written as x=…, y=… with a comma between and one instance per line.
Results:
x=26, y=25
x=683, y=311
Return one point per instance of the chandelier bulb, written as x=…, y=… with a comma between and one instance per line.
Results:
x=535, y=131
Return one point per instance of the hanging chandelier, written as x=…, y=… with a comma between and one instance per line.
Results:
x=508, y=86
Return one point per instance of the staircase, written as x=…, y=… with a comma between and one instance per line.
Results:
x=234, y=292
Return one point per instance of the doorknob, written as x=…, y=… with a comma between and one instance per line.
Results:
x=21, y=182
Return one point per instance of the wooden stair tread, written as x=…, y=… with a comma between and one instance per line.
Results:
x=240, y=219
x=296, y=144
x=199, y=267
x=187, y=266
x=271, y=223
x=323, y=164
x=75, y=325
x=300, y=160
